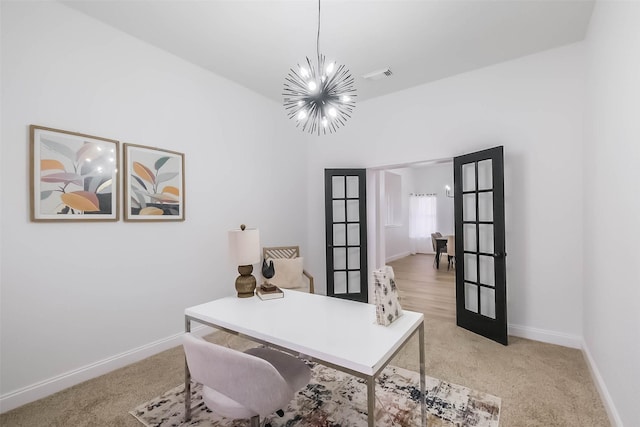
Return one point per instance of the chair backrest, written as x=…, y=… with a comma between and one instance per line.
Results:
x=251, y=381
x=281, y=252
x=451, y=245
x=433, y=241
x=288, y=252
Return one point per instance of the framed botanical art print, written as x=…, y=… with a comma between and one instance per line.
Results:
x=153, y=184
x=74, y=177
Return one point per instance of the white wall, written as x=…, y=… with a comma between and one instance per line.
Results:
x=77, y=296
x=396, y=237
x=432, y=179
x=612, y=207
x=533, y=106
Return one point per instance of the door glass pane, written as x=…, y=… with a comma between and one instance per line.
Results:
x=469, y=236
x=352, y=186
x=354, y=282
x=353, y=234
x=470, y=268
x=354, y=258
x=339, y=235
x=485, y=181
x=486, y=238
x=353, y=213
x=339, y=258
x=488, y=302
x=487, y=270
x=485, y=206
x=337, y=187
x=340, y=282
x=338, y=211
x=469, y=207
x=469, y=177
x=471, y=297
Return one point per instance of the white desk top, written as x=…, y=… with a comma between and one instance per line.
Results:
x=333, y=330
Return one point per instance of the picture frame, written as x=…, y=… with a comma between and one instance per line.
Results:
x=74, y=176
x=153, y=184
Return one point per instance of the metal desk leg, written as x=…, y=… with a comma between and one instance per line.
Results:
x=423, y=397
x=187, y=378
x=371, y=399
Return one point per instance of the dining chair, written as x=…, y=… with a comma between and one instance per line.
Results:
x=451, y=251
x=244, y=385
x=438, y=249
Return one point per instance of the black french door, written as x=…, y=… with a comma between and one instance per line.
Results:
x=481, y=295
x=346, y=233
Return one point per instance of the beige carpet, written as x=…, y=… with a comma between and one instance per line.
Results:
x=540, y=384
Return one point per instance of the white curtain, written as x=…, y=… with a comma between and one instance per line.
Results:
x=422, y=222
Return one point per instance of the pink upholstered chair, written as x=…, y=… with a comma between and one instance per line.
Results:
x=246, y=385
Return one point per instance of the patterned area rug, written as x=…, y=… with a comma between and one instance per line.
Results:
x=335, y=399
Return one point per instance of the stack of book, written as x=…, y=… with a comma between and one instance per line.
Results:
x=269, y=291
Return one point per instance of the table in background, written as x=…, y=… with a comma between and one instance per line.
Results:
x=338, y=333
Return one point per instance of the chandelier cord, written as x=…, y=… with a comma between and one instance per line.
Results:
x=319, y=99
x=318, y=38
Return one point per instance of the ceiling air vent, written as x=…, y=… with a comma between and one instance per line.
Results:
x=377, y=75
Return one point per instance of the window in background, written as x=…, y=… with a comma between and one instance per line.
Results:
x=422, y=222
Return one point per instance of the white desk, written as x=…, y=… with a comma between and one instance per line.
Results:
x=338, y=333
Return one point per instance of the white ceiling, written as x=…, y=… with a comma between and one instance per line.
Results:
x=254, y=43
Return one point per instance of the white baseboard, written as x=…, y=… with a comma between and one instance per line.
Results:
x=551, y=337
x=609, y=406
x=47, y=387
x=577, y=342
x=397, y=256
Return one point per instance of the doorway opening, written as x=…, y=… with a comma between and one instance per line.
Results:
x=480, y=247
x=411, y=202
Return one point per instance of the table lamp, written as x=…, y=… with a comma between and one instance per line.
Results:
x=244, y=247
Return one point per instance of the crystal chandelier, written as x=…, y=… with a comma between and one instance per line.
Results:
x=320, y=97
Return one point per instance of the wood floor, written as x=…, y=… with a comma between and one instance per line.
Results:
x=424, y=288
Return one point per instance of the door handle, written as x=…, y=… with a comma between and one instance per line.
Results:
x=499, y=255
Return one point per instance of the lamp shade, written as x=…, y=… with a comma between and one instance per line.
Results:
x=244, y=246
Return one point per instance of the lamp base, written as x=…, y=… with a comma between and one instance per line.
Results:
x=245, y=282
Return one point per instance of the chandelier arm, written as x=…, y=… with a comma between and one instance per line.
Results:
x=294, y=86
